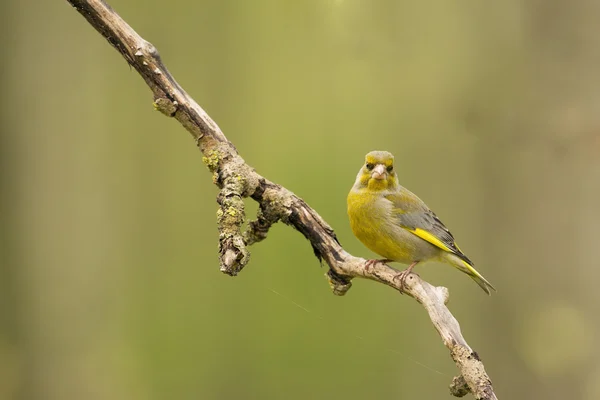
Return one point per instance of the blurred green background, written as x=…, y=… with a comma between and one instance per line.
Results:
x=109, y=278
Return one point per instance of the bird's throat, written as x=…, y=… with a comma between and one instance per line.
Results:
x=378, y=184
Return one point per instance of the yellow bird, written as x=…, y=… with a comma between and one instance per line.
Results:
x=394, y=223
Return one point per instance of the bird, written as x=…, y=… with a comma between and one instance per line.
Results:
x=396, y=224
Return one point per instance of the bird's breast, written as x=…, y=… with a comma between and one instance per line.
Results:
x=372, y=222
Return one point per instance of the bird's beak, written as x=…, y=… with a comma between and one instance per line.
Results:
x=379, y=172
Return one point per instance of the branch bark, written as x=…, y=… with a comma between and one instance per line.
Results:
x=237, y=180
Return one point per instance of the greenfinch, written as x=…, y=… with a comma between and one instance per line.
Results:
x=396, y=224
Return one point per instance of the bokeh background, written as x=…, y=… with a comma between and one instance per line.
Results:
x=109, y=278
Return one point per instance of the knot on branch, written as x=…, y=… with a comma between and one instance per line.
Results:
x=338, y=283
x=145, y=48
x=459, y=387
x=146, y=53
x=444, y=293
x=166, y=106
x=473, y=372
x=273, y=207
x=257, y=230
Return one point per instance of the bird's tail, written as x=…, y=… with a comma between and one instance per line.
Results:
x=468, y=269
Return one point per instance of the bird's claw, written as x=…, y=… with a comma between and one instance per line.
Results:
x=369, y=264
x=402, y=275
x=401, y=278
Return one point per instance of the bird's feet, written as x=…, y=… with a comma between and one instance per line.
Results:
x=370, y=263
x=401, y=277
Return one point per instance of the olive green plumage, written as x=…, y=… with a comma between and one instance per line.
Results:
x=394, y=223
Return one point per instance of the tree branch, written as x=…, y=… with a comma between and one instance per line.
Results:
x=238, y=180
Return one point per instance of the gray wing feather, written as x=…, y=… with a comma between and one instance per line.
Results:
x=413, y=214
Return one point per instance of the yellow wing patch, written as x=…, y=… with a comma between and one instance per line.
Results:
x=430, y=238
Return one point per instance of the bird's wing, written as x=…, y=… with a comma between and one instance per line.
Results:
x=412, y=214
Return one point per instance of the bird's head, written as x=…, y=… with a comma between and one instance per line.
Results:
x=378, y=172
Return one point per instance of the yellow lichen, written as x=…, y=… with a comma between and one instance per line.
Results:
x=212, y=160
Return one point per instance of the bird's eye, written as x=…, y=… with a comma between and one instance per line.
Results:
x=390, y=168
x=370, y=166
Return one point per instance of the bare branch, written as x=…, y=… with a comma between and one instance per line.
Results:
x=238, y=180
